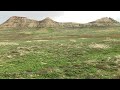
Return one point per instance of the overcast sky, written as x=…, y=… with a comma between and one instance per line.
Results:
x=62, y=16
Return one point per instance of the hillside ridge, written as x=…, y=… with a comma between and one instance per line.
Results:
x=23, y=22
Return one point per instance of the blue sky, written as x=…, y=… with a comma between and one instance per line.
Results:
x=62, y=16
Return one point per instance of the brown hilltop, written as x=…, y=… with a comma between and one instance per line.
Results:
x=48, y=22
x=105, y=21
x=24, y=22
x=18, y=22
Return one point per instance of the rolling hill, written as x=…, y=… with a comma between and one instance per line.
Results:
x=19, y=22
x=105, y=21
x=24, y=22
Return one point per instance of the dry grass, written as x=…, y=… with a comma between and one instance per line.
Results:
x=25, y=32
x=28, y=41
x=8, y=43
x=99, y=46
x=40, y=40
x=72, y=40
x=117, y=59
x=109, y=39
x=83, y=38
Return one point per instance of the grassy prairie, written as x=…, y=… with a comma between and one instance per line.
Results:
x=60, y=53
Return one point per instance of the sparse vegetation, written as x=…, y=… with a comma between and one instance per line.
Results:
x=58, y=53
x=31, y=49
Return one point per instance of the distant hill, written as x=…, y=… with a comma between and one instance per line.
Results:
x=19, y=22
x=48, y=22
x=24, y=22
x=105, y=21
